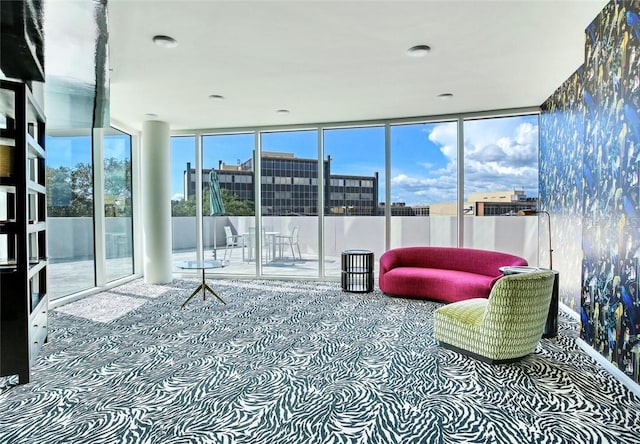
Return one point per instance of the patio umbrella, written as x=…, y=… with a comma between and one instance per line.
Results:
x=216, y=205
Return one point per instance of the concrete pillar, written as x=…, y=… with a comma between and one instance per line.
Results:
x=156, y=202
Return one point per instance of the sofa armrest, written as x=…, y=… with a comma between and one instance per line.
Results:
x=388, y=261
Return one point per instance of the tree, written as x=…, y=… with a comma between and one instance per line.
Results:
x=183, y=207
x=236, y=207
x=117, y=186
x=232, y=205
x=58, y=188
x=70, y=191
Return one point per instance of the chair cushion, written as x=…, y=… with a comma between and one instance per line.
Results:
x=468, y=313
x=458, y=323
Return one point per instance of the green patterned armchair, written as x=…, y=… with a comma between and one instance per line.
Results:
x=504, y=328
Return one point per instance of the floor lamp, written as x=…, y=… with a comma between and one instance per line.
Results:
x=530, y=212
x=549, y=232
x=551, y=326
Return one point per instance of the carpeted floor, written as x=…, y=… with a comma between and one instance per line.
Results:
x=296, y=362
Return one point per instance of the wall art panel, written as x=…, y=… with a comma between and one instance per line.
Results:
x=561, y=183
x=611, y=230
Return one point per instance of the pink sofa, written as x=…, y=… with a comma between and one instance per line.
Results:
x=442, y=273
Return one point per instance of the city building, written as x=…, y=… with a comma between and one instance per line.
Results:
x=493, y=203
x=290, y=186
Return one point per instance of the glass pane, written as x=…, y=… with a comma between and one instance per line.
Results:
x=424, y=183
x=227, y=236
x=500, y=180
x=354, y=187
x=183, y=198
x=70, y=213
x=117, y=204
x=289, y=203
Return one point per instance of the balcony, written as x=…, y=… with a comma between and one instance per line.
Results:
x=70, y=263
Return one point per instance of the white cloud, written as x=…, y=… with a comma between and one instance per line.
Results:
x=446, y=135
x=527, y=134
x=426, y=165
x=500, y=154
x=506, y=162
x=423, y=190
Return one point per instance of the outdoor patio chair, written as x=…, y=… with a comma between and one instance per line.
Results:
x=289, y=240
x=232, y=241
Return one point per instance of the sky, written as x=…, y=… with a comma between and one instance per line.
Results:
x=69, y=151
x=499, y=154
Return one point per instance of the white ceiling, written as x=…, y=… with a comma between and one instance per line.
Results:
x=333, y=61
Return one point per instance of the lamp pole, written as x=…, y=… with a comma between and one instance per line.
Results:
x=549, y=231
x=530, y=212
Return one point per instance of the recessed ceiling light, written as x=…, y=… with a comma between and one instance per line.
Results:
x=151, y=115
x=216, y=97
x=419, y=50
x=445, y=96
x=283, y=112
x=164, y=41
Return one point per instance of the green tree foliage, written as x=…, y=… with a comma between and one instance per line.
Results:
x=235, y=206
x=70, y=193
x=70, y=190
x=181, y=207
x=232, y=205
x=117, y=187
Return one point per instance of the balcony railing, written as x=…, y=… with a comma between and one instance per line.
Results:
x=73, y=237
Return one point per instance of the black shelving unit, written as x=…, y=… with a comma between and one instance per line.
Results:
x=23, y=230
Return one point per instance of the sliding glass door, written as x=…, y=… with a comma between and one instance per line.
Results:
x=118, y=205
x=228, y=228
x=289, y=203
x=501, y=182
x=70, y=234
x=424, y=184
x=183, y=198
x=354, y=184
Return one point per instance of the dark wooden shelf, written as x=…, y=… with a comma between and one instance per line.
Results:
x=24, y=301
x=7, y=133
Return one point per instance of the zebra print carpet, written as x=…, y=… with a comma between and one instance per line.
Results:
x=296, y=362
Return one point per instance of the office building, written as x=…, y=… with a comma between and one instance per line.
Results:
x=290, y=186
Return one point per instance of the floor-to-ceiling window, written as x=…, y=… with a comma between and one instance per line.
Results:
x=118, y=204
x=424, y=183
x=228, y=223
x=354, y=187
x=183, y=197
x=70, y=234
x=501, y=182
x=289, y=203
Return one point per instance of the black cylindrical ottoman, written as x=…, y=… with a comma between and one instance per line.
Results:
x=357, y=271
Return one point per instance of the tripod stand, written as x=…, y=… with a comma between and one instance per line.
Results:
x=196, y=265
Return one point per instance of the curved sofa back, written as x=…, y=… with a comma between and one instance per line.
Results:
x=473, y=260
